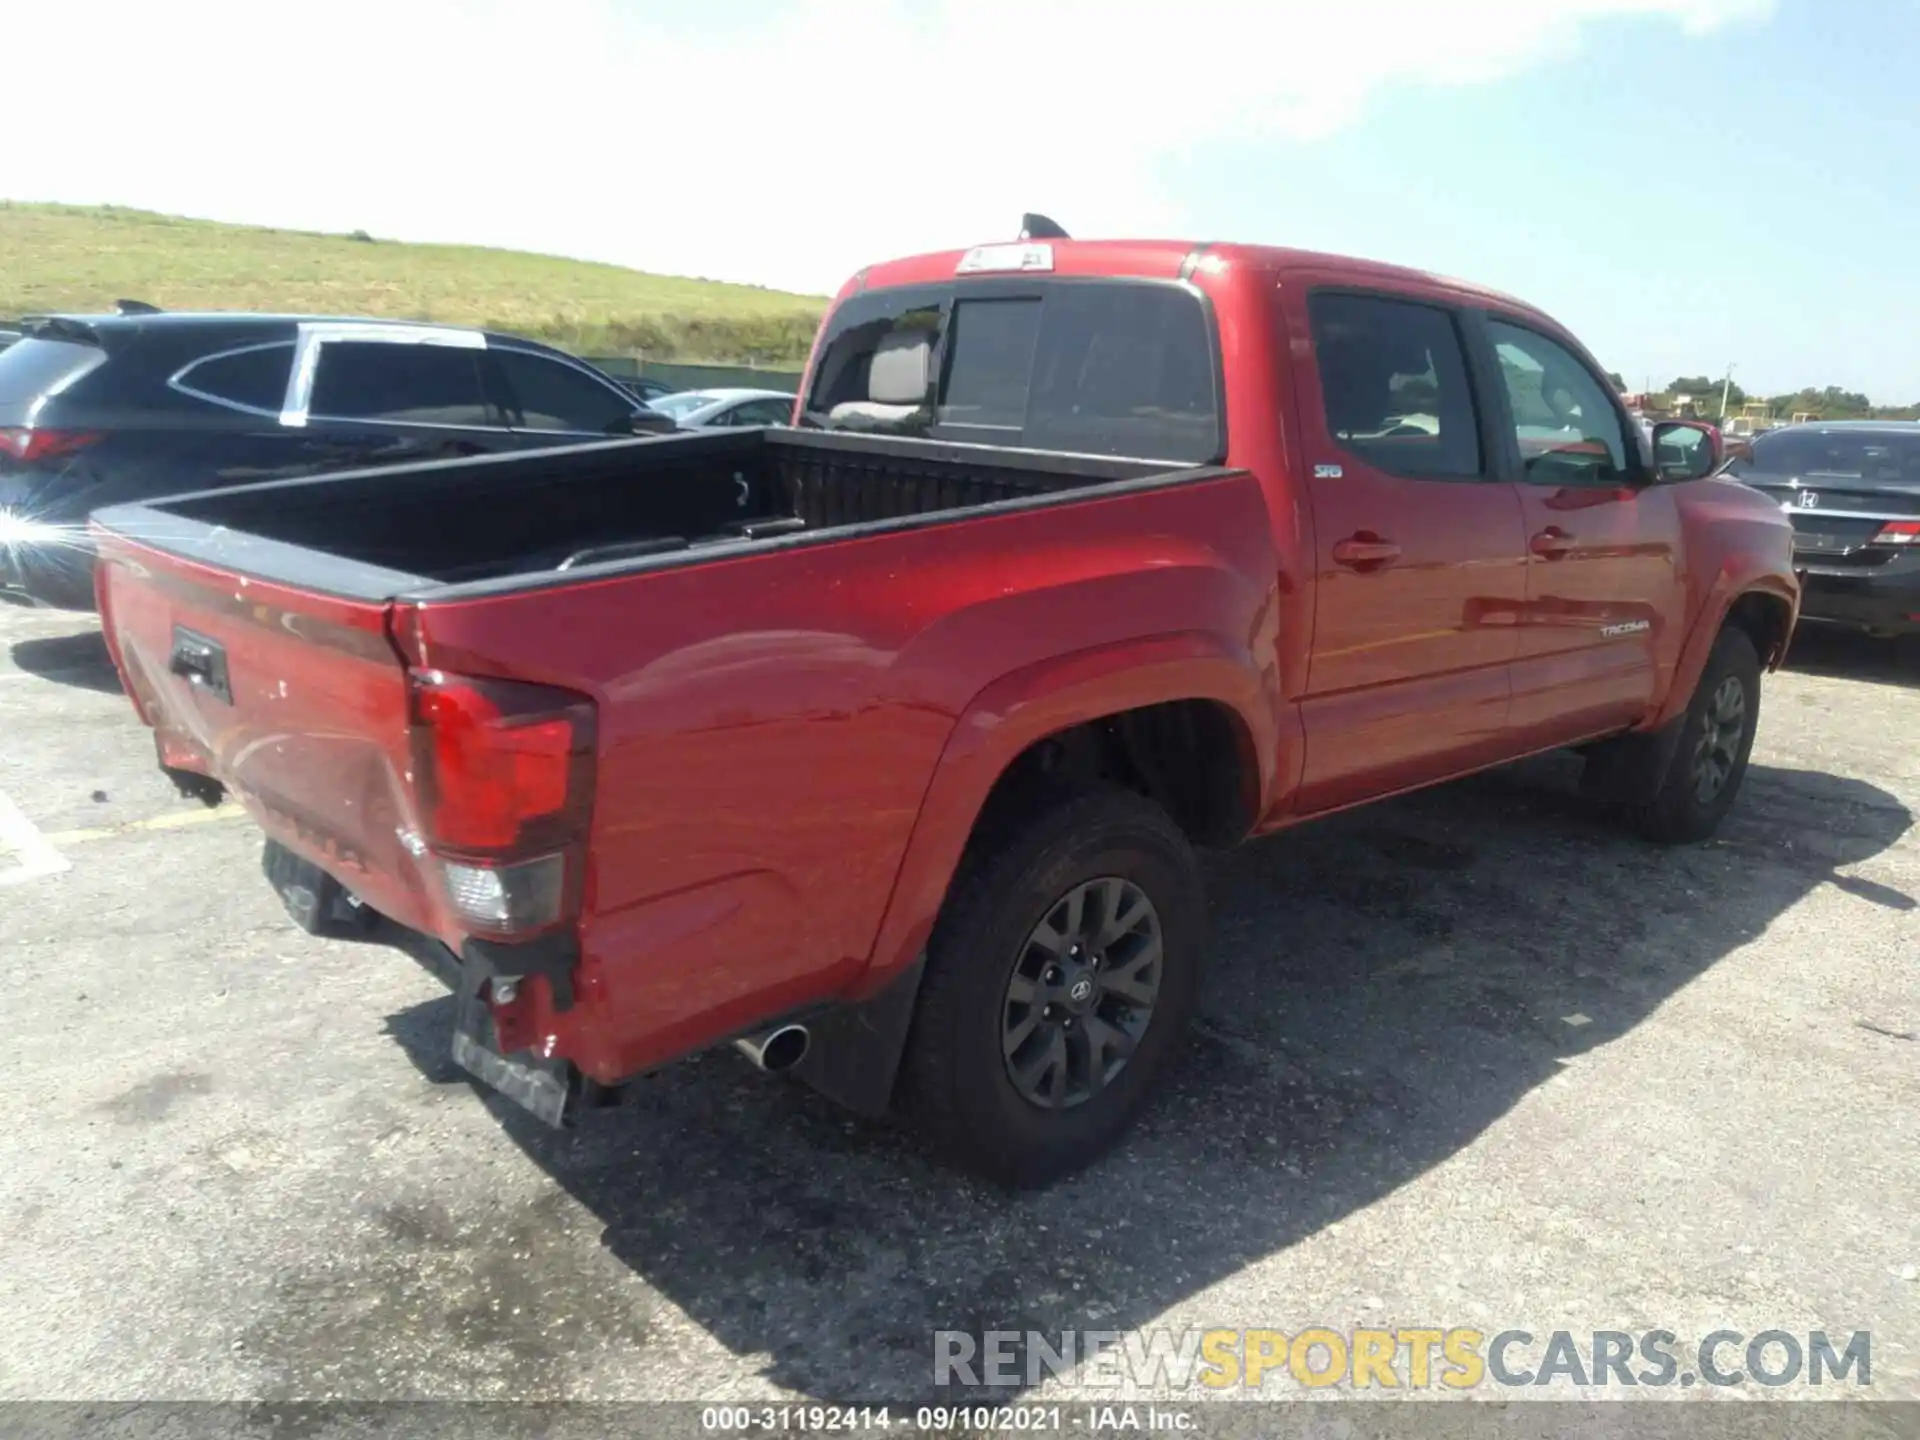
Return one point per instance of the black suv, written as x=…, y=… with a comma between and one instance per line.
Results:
x=100, y=409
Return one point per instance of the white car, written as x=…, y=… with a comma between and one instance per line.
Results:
x=698, y=409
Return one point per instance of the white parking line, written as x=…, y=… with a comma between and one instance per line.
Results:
x=37, y=855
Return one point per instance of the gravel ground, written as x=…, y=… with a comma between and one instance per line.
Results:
x=1471, y=1058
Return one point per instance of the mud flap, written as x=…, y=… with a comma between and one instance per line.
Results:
x=542, y=1087
x=1629, y=769
x=854, y=1057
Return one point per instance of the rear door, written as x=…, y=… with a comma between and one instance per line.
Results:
x=390, y=394
x=1602, y=543
x=1419, y=551
x=233, y=429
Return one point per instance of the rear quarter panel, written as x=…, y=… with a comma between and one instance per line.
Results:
x=770, y=726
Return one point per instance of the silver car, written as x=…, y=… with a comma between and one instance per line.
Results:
x=701, y=409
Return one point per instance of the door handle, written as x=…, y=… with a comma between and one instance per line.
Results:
x=1365, y=551
x=1551, y=543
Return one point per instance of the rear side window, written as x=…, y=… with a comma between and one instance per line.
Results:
x=1099, y=367
x=32, y=368
x=548, y=395
x=253, y=379
x=400, y=383
x=1393, y=383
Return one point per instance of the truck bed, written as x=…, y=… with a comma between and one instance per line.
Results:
x=768, y=708
x=506, y=521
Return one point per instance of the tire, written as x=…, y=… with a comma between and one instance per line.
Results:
x=1686, y=808
x=1112, y=848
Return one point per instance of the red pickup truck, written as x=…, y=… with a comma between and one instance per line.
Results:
x=881, y=745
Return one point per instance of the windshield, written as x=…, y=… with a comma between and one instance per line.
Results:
x=1868, y=455
x=682, y=405
x=32, y=368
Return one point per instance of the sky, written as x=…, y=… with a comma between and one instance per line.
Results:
x=1687, y=184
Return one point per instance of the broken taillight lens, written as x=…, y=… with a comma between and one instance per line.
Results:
x=504, y=771
x=27, y=445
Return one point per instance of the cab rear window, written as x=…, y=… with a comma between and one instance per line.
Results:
x=1088, y=366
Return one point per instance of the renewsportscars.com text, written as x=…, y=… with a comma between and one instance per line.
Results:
x=1412, y=1358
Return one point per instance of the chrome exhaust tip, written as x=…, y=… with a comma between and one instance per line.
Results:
x=780, y=1048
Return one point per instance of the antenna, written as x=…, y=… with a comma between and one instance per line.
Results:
x=135, y=307
x=1038, y=227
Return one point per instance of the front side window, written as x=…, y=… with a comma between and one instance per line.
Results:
x=1393, y=385
x=1566, y=427
x=400, y=384
x=549, y=395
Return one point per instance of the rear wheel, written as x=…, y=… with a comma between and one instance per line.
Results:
x=1058, y=981
x=1716, y=738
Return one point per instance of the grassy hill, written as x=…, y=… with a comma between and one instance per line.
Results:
x=61, y=257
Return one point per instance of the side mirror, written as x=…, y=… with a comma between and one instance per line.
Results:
x=1685, y=450
x=643, y=422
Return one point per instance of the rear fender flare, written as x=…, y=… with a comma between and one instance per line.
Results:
x=862, y=1041
x=1018, y=710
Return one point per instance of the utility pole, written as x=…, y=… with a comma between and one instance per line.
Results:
x=1726, y=389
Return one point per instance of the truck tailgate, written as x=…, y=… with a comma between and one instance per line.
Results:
x=295, y=700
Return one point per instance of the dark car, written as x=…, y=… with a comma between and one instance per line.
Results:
x=101, y=409
x=1853, y=491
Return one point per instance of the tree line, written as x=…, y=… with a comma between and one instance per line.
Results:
x=1828, y=402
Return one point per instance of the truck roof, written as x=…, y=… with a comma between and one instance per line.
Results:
x=1169, y=259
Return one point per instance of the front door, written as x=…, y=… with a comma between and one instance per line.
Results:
x=1602, y=546
x=1420, y=566
x=556, y=402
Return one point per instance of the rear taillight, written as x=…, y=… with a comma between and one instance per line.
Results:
x=28, y=446
x=504, y=771
x=1899, y=532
